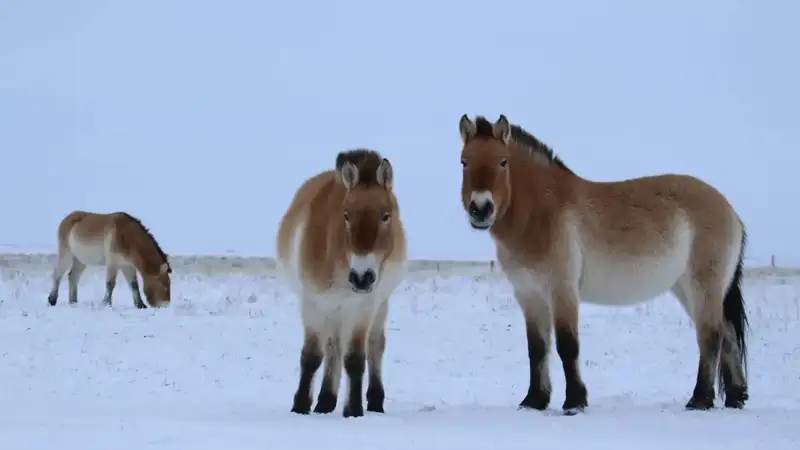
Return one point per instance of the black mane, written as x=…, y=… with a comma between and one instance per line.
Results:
x=365, y=160
x=523, y=139
x=152, y=238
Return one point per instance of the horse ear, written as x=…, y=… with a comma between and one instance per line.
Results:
x=467, y=128
x=385, y=174
x=502, y=129
x=165, y=269
x=349, y=175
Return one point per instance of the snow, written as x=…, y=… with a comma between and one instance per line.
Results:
x=218, y=369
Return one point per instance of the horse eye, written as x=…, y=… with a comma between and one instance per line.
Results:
x=385, y=218
x=503, y=162
x=463, y=163
x=346, y=217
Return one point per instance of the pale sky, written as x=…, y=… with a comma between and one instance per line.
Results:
x=203, y=117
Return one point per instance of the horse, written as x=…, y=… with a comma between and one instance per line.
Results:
x=121, y=243
x=341, y=246
x=560, y=238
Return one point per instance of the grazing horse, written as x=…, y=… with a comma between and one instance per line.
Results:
x=560, y=238
x=342, y=250
x=120, y=242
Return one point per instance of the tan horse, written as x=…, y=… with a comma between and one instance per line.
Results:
x=342, y=250
x=560, y=238
x=121, y=243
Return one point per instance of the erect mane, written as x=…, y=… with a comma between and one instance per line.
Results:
x=150, y=235
x=523, y=139
x=365, y=160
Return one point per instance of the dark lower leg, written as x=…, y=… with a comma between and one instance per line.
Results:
x=58, y=273
x=703, y=396
x=328, y=393
x=375, y=391
x=732, y=376
x=74, y=278
x=355, y=363
x=568, y=349
x=137, y=296
x=109, y=291
x=538, y=396
x=310, y=360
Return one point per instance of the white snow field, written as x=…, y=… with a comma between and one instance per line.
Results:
x=218, y=369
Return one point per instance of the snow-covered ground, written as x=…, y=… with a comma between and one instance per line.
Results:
x=218, y=369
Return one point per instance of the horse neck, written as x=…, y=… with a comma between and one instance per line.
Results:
x=145, y=257
x=537, y=194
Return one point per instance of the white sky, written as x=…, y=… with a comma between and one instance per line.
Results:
x=202, y=117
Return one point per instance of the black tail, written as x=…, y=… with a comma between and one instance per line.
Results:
x=734, y=314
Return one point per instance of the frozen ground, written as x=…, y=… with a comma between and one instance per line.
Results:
x=218, y=370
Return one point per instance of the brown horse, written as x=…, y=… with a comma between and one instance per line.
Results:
x=120, y=242
x=342, y=250
x=560, y=238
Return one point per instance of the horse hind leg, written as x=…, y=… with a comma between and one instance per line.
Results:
x=703, y=303
x=733, y=363
x=65, y=260
x=111, y=282
x=74, y=279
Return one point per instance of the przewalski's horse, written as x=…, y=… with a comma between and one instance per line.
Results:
x=342, y=249
x=560, y=238
x=120, y=242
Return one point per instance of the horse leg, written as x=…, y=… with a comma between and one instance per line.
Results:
x=111, y=281
x=74, y=278
x=565, y=313
x=65, y=259
x=733, y=373
x=538, y=326
x=310, y=361
x=355, y=363
x=329, y=390
x=129, y=273
x=707, y=306
x=375, y=349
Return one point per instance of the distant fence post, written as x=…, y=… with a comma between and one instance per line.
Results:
x=772, y=261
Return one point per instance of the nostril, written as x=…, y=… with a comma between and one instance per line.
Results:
x=481, y=212
x=353, y=278
x=368, y=278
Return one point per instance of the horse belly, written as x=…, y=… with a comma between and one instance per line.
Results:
x=625, y=282
x=89, y=253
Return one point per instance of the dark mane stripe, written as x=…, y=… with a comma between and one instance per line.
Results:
x=150, y=235
x=365, y=160
x=523, y=139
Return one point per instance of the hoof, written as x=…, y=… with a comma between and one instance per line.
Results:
x=536, y=400
x=353, y=411
x=696, y=404
x=301, y=405
x=736, y=397
x=326, y=403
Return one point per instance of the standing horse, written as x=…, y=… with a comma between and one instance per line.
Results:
x=560, y=238
x=120, y=242
x=342, y=249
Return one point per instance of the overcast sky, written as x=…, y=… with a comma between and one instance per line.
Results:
x=203, y=117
